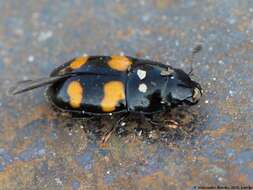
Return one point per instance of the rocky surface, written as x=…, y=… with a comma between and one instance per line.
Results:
x=40, y=150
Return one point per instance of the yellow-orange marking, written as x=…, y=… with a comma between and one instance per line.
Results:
x=114, y=91
x=119, y=63
x=78, y=62
x=75, y=93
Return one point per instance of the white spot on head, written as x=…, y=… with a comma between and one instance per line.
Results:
x=143, y=88
x=141, y=74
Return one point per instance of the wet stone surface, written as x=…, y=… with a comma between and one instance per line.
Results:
x=42, y=150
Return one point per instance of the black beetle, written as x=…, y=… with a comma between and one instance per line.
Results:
x=106, y=85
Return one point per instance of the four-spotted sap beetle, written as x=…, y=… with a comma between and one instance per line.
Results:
x=105, y=85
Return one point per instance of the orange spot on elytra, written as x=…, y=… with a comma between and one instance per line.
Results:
x=119, y=63
x=75, y=93
x=78, y=62
x=114, y=91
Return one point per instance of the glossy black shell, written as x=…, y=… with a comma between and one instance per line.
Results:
x=139, y=86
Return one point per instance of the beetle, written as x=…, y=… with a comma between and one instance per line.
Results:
x=105, y=85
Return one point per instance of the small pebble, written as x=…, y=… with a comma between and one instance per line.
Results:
x=221, y=62
x=153, y=135
x=160, y=38
x=231, y=93
x=58, y=181
x=43, y=36
x=123, y=124
x=220, y=179
x=30, y=59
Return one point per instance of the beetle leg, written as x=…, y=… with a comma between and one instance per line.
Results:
x=150, y=119
x=90, y=122
x=108, y=134
x=167, y=123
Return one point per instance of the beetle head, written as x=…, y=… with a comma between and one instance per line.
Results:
x=180, y=88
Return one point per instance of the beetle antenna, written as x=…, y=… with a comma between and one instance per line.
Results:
x=27, y=85
x=195, y=50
